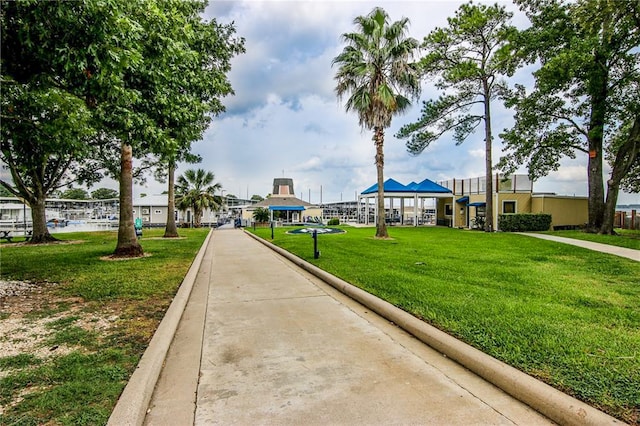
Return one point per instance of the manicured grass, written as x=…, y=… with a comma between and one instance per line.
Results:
x=626, y=237
x=82, y=385
x=564, y=314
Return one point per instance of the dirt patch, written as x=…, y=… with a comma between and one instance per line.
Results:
x=113, y=258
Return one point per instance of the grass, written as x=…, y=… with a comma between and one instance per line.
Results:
x=564, y=314
x=626, y=237
x=81, y=385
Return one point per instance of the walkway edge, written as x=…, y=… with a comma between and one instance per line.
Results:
x=133, y=403
x=556, y=405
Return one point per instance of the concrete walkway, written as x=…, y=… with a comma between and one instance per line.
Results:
x=256, y=335
x=604, y=248
x=279, y=346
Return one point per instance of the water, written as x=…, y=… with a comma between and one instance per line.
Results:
x=82, y=226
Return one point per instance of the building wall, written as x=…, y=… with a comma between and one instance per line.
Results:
x=564, y=211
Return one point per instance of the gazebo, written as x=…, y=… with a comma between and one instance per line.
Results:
x=418, y=192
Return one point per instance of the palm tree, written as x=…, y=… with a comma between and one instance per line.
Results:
x=375, y=70
x=196, y=189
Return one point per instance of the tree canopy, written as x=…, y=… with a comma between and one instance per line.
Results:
x=143, y=78
x=586, y=96
x=468, y=61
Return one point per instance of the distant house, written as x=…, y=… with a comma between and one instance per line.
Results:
x=283, y=205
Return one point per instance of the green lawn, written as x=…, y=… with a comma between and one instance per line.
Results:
x=564, y=314
x=82, y=383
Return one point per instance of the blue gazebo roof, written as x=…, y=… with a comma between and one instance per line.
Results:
x=391, y=185
x=430, y=186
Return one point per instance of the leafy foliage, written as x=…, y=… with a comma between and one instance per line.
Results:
x=261, y=215
x=467, y=60
x=195, y=189
x=377, y=73
x=524, y=222
x=586, y=92
x=75, y=194
x=104, y=193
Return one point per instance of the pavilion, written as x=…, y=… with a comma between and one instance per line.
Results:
x=417, y=192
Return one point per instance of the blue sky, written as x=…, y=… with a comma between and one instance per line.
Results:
x=285, y=119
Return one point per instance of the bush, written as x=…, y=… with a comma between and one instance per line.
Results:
x=524, y=222
x=261, y=215
x=333, y=221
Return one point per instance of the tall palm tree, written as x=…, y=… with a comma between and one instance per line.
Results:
x=196, y=189
x=375, y=69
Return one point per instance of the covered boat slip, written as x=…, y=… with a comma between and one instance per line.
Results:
x=412, y=198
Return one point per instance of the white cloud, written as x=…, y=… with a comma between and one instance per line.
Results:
x=285, y=118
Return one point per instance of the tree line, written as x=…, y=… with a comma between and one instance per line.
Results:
x=585, y=100
x=89, y=85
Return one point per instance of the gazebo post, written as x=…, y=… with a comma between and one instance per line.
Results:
x=402, y=211
x=415, y=209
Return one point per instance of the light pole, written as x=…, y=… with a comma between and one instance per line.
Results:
x=222, y=191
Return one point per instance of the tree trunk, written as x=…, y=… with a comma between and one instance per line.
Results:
x=625, y=157
x=488, y=223
x=610, y=208
x=197, y=217
x=39, y=221
x=128, y=245
x=598, y=92
x=171, y=230
x=378, y=139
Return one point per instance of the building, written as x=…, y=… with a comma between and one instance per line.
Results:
x=284, y=208
x=462, y=203
x=512, y=194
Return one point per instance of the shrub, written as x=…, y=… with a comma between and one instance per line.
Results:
x=261, y=214
x=524, y=222
x=333, y=221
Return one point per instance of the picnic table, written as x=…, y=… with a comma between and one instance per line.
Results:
x=6, y=235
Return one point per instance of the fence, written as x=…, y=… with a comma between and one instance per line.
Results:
x=626, y=220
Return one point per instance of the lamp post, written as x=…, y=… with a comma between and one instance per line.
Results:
x=222, y=191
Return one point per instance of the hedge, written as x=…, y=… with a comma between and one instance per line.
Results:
x=524, y=222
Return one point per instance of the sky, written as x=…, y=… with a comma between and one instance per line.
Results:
x=286, y=121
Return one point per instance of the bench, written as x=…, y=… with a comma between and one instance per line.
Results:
x=6, y=235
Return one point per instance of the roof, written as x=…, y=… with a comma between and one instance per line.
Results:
x=287, y=208
x=392, y=185
x=430, y=186
x=282, y=202
x=282, y=187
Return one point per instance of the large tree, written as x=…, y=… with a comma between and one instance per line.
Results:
x=377, y=74
x=145, y=70
x=196, y=190
x=44, y=134
x=55, y=55
x=586, y=97
x=467, y=60
x=181, y=82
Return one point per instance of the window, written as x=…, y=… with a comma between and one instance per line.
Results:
x=508, y=207
x=448, y=210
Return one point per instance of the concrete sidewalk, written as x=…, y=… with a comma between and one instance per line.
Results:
x=604, y=248
x=279, y=346
x=256, y=335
